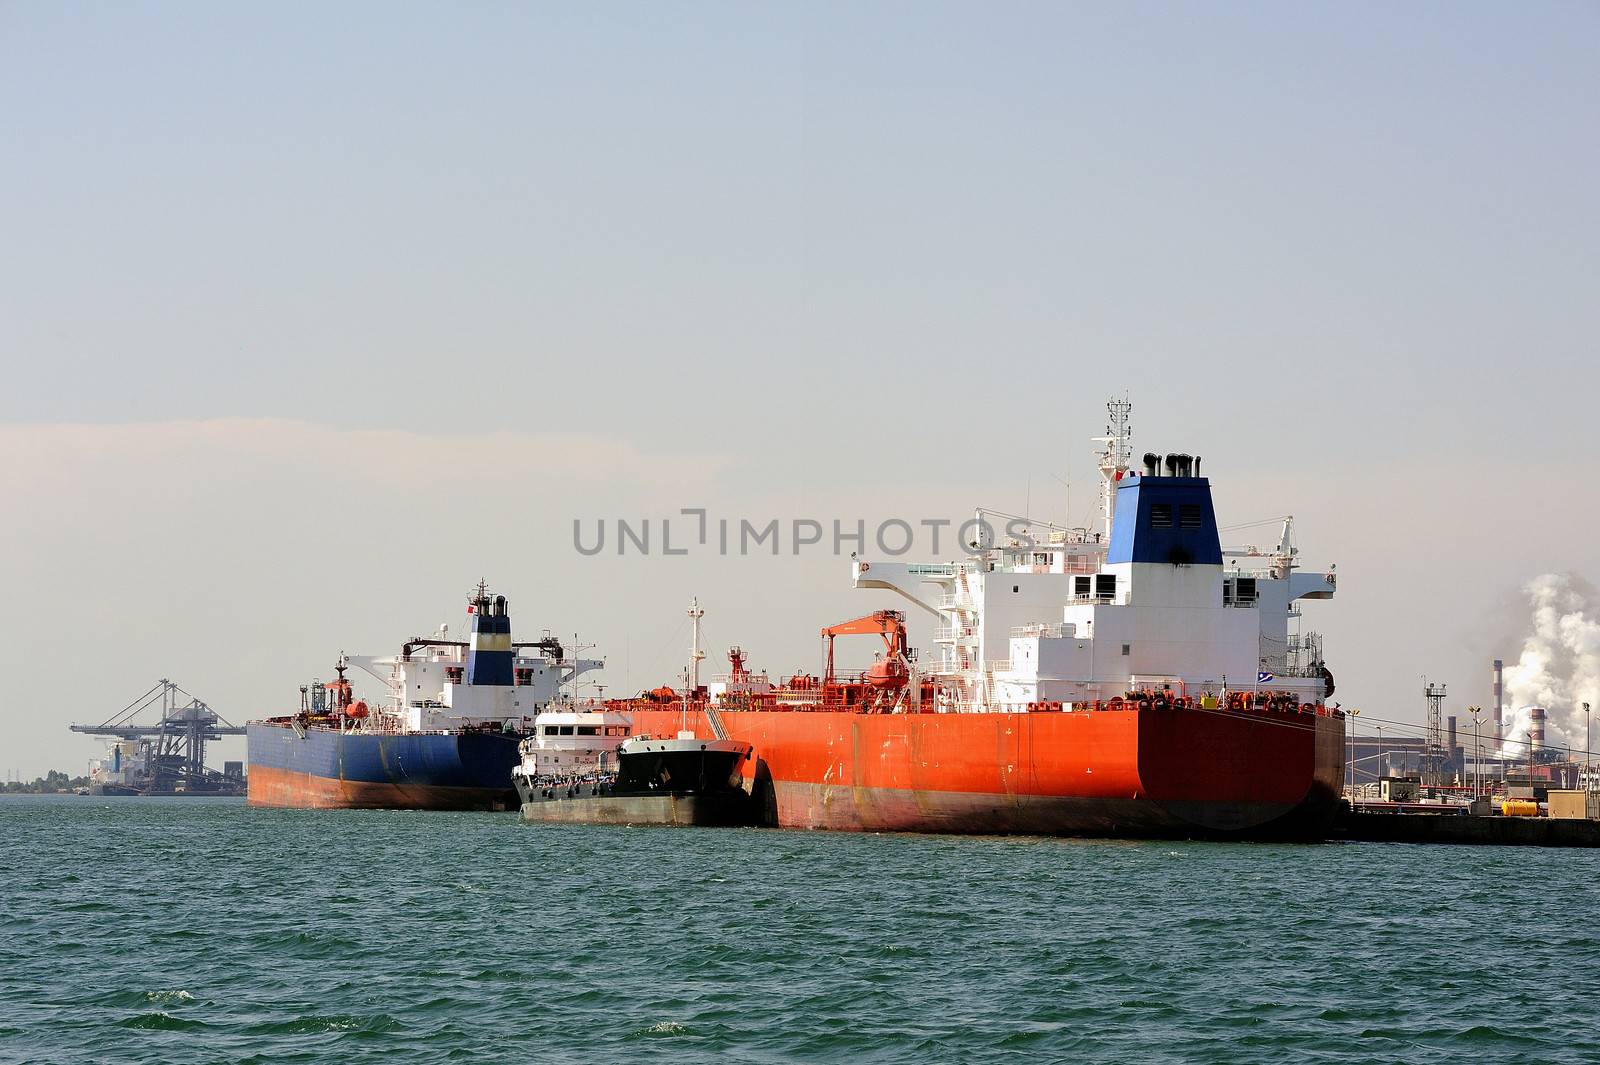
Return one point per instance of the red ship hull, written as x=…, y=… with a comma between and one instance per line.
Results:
x=1126, y=772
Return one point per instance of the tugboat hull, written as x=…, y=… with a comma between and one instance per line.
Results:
x=680, y=781
x=711, y=810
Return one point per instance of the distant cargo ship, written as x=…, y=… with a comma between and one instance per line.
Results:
x=445, y=738
x=1133, y=681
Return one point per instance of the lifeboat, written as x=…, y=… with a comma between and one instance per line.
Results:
x=887, y=674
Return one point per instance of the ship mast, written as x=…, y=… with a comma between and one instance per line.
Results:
x=1283, y=555
x=1113, y=456
x=696, y=653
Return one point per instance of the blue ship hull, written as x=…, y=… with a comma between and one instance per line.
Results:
x=322, y=767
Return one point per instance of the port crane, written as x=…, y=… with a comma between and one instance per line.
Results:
x=175, y=744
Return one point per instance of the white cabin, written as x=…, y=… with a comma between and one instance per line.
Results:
x=574, y=740
x=1152, y=601
x=437, y=684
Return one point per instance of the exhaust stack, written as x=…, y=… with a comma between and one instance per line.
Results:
x=1499, y=705
x=490, y=657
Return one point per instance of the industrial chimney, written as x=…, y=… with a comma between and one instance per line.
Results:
x=1499, y=704
x=1456, y=755
x=1536, y=716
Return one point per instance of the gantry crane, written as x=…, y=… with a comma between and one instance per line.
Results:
x=174, y=745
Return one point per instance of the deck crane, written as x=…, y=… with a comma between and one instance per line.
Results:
x=888, y=678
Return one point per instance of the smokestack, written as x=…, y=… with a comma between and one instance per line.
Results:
x=1536, y=716
x=491, y=659
x=1499, y=704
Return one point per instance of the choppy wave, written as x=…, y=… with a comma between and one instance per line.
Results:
x=198, y=931
x=160, y=1021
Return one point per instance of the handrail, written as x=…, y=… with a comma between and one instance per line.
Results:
x=714, y=718
x=1046, y=628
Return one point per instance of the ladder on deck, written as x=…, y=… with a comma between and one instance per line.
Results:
x=714, y=718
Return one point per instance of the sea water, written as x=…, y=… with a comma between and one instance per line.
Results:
x=179, y=930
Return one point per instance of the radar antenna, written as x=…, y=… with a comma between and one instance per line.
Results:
x=1114, y=455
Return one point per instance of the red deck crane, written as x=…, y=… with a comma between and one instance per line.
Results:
x=888, y=675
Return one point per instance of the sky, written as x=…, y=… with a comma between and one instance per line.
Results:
x=311, y=317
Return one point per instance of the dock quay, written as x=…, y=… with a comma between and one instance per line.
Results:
x=1365, y=826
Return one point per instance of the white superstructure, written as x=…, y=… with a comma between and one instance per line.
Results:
x=426, y=692
x=1149, y=602
x=123, y=765
x=573, y=741
x=437, y=684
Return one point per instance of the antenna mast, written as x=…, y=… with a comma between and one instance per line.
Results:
x=1435, y=756
x=1114, y=455
x=696, y=654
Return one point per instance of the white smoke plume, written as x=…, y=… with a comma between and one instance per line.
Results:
x=1560, y=664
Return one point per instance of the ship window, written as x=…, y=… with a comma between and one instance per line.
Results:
x=588, y=730
x=1189, y=516
x=1013, y=589
x=1127, y=649
x=566, y=730
x=1081, y=587
x=1161, y=515
x=549, y=730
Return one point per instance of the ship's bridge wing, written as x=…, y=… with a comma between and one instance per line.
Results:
x=381, y=667
x=910, y=579
x=573, y=668
x=1311, y=586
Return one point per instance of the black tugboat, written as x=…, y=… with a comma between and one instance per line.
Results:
x=682, y=781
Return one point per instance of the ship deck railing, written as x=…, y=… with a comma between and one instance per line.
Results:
x=1047, y=629
x=1073, y=564
x=814, y=701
